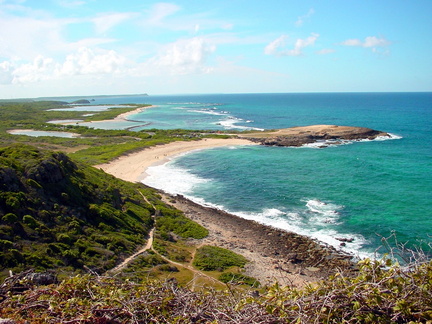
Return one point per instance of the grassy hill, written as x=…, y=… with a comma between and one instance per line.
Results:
x=59, y=214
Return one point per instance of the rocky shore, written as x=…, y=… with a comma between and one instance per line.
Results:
x=275, y=255
x=298, y=136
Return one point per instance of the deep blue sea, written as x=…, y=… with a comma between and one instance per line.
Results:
x=360, y=190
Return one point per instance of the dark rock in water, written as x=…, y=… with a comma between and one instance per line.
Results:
x=342, y=239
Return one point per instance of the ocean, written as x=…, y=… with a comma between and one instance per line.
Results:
x=355, y=193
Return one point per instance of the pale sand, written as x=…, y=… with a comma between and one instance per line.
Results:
x=132, y=167
x=125, y=116
x=274, y=255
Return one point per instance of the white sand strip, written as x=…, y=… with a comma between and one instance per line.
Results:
x=132, y=167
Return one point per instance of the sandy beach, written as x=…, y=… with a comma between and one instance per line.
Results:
x=132, y=167
x=275, y=255
x=125, y=116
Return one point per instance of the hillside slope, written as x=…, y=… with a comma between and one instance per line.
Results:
x=59, y=214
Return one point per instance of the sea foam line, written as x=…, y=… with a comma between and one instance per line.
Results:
x=317, y=220
x=339, y=142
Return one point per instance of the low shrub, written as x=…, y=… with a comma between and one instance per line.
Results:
x=30, y=221
x=10, y=218
x=238, y=279
x=210, y=258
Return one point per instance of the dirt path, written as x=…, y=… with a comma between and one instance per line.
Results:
x=149, y=246
x=126, y=261
x=188, y=267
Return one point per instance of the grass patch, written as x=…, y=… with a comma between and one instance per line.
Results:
x=173, y=251
x=172, y=220
x=211, y=258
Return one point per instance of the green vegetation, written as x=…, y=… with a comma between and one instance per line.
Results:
x=56, y=213
x=174, y=251
x=210, y=258
x=175, y=222
x=234, y=278
x=376, y=294
x=95, y=146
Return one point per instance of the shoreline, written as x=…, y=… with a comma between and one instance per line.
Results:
x=121, y=117
x=132, y=167
x=274, y=255
x=125, y=115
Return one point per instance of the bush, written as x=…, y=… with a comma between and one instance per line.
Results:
x=30, y=221
x=10, y=218
x=5, y=245
x=239, y=279
x=34, y=184
x=210, y=258
x=378, y=293
x=64, y=238
x=182, y=226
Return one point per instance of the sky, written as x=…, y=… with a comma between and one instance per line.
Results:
x=103, y=47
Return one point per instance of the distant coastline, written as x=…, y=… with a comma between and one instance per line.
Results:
x=132, y=167
x=93, y=96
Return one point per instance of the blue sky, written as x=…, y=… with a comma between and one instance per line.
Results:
x=90, y=47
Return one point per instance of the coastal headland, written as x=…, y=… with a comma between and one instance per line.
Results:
x=298, y=136
x=275, y=255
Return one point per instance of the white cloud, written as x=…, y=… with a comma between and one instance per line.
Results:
x=325, y=51
x=105, y=22
x=86, y=61
x=6, y=70
x=27, y=37
x=169, y=16
x=369, y=42
x=273, y=47
x=373, y=41
x=71, y=3
x=352, y=42
x=185, y=56
x=41, y=68
x=276, y=46
x=301, y=19
x=160, y=11
x=83, y=62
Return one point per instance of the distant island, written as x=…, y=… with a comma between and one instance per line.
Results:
x=80, y=102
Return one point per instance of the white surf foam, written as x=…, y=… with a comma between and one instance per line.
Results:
x=231, y=123
x=296, y=222
x=322, y=212
x=338, y=142
x=171, y=180
x=209, y=112
x=318, y=219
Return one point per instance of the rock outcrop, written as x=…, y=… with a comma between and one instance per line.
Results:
x=298, y=136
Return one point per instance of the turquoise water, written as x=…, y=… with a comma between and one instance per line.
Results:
x=360, y=190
